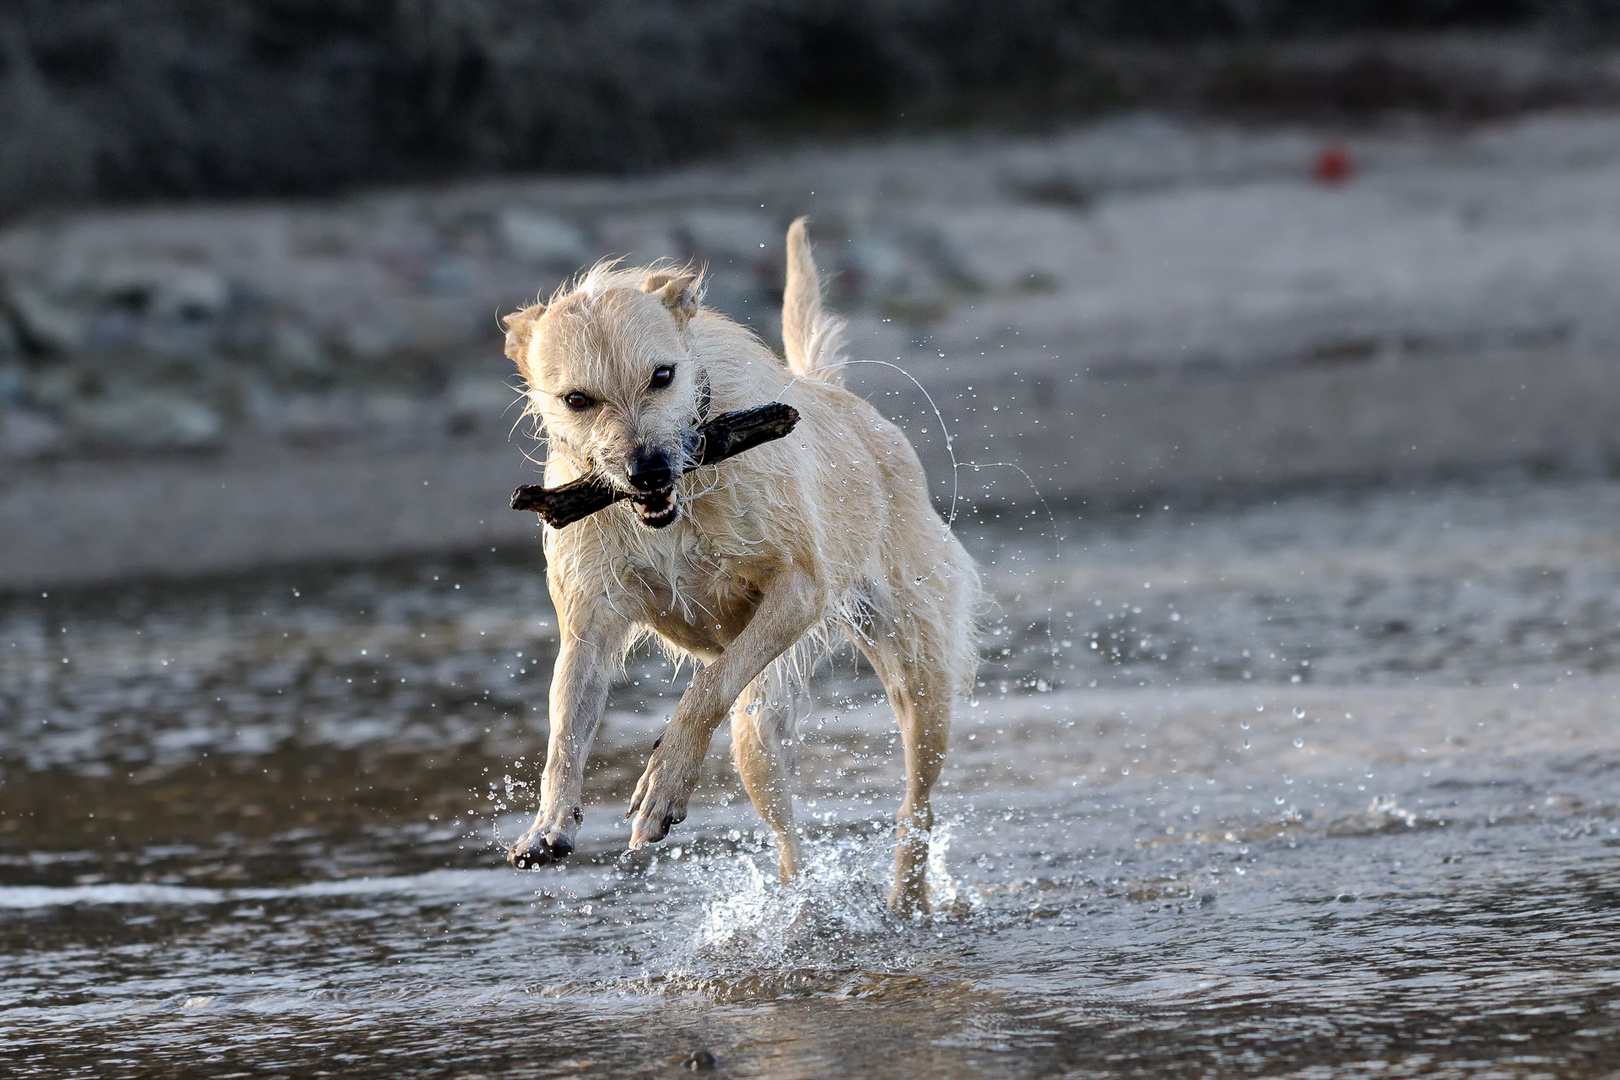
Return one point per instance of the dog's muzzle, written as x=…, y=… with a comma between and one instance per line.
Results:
x=652, y=474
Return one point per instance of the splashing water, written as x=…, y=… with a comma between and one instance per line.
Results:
x=828, y=918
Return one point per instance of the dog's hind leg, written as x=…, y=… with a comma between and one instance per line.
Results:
x=757, y=727
x=920, y=692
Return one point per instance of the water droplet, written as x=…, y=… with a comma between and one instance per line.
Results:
x=1299, y=714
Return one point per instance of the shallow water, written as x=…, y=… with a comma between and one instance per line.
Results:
x=1322, y=787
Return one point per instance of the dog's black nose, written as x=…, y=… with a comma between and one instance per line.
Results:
x=651, y=470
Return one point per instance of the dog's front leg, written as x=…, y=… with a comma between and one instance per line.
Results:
x=790, y=607
x=592, y=641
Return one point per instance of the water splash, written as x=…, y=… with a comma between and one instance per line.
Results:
x=941, y=886
x=825, y=918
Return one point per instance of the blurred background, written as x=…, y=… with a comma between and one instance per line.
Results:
x=253, y=255
x=1278, y=344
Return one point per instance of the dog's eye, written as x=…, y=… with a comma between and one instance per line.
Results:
x=576, y=400
x=663, y=375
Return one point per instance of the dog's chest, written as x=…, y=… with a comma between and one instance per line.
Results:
x=697, y=597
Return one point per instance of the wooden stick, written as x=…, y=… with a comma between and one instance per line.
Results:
x=727, y=435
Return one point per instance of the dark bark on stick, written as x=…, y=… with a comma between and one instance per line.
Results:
x=727, y=435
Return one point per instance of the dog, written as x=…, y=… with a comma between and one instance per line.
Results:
x=751, y=566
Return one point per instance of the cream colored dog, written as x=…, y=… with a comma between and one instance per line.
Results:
x=748, y=565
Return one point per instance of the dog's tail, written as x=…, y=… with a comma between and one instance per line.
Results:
x=812, y=337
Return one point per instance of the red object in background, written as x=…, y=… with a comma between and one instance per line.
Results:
x=1333, y=164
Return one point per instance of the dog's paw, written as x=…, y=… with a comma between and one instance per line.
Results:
x=541, y=845
x=660, y=799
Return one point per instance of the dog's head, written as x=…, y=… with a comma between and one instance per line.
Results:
x=613, y=381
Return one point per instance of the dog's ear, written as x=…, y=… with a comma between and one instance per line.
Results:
x=676, y=293
x=519, y=327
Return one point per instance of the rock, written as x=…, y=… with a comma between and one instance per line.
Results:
x=875, y=269
x=731, y=236
x=25, y=434
x=898, y=280
x=296, y=350
x=1013, y=249
x=536, y=237
x=480, y=400
x=45, y=325
x=150, y=420
x=700, y=1061
x=639, y=239
x=373, y=336
x=13, y=384
x=447, y=275
x=10, y=343
x=164, y=291
x=307, y=419
x=390, y=410
x=482, y=394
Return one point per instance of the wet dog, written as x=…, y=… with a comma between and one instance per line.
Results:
x=751, y=565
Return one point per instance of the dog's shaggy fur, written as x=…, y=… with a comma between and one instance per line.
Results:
x=749, y=566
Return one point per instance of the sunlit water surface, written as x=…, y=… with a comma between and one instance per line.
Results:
x=1322, y=787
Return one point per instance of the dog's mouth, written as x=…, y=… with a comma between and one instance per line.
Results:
x=656, y=509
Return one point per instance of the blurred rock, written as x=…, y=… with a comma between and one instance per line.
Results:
x=147, y=420
x=307, y=419
x=874, y=268
x=483, y=401
x=13, y=384
x=535, y=237
x=1011, y=249
x=639, y=239
x=10, y=343
x=25, y=434
x=447, y=275
x=58, y=387
x=374, y=336
x=45, y=325
x=164, y=291
x=484, y=394
x=391, y=411
x=296, y=351
x=910, y=280
x=738, y=237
